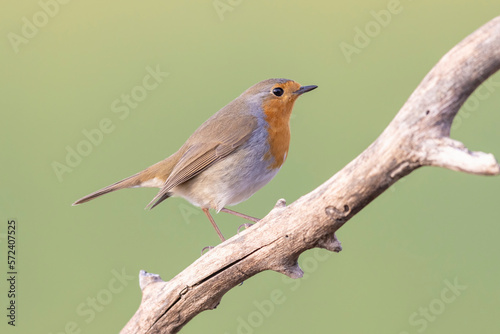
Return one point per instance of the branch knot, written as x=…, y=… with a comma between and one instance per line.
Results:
x=337, y=215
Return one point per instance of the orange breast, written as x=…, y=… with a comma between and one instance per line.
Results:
x=278, y=118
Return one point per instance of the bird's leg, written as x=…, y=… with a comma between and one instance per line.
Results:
x=255, y=220
x=247, y=225
x=209, y=216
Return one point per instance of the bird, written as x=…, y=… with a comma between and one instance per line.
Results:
x=233, y=154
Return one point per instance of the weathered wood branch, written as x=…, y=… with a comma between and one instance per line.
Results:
x=417, y=136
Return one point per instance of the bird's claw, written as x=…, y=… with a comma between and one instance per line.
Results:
x=207, y=248
x=246, y=225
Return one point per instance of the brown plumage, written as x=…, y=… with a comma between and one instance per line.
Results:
x=230, y=156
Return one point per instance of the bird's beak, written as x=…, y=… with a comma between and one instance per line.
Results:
x=305, y=89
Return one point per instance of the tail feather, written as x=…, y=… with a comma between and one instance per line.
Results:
x=153, y=176
x=131, y=181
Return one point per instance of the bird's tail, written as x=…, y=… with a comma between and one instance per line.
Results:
x=154, y=176
x=129, y=182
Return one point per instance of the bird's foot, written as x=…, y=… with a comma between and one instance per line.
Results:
x=246, y=225
x=207, y=248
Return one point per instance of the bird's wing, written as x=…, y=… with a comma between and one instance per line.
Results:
x=203, y=154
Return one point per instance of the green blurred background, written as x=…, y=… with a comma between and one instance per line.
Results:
x=433, y=229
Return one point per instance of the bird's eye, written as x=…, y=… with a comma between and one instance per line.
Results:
x=278, y=91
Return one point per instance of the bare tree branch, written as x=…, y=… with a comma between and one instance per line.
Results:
x=417, y=136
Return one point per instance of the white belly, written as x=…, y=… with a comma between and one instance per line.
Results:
x=231, y=180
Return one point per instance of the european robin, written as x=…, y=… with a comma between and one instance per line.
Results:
x=229, y=157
